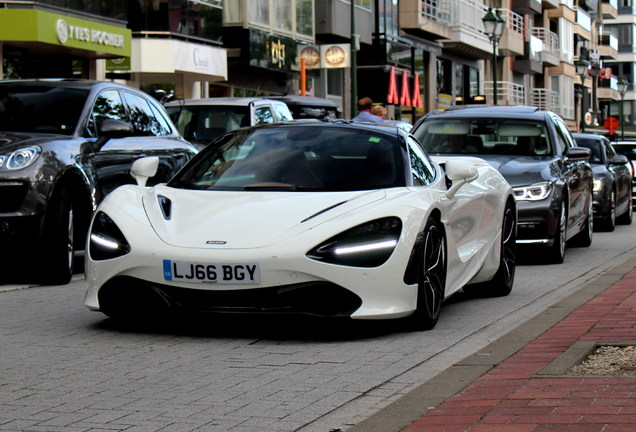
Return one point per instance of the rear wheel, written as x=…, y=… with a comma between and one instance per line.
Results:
x=584, y=238
x=431, y=276
x=59, y=245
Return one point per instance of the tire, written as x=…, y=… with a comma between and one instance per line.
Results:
x=584, y=238
x=556, y=252
x=501, y=284
x=59, y=246
x=627, y=217
x=609, y=220
x=431, y=278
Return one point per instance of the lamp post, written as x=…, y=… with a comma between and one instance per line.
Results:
x=622, y=89
x=493, y=28
x=581, y=71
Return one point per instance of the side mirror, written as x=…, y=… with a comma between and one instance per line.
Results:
x=111, y=128
x=144, y=168
x=619, y=159
x=578, y=154
x=459, y=172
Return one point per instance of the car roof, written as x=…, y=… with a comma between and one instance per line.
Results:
x=588, y=136
x=63, y=82
x=235, y=101
x=306, y=101
x=497, y=111
x=335, y=123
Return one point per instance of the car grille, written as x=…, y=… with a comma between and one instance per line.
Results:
x=13, y=194
x=126, y=294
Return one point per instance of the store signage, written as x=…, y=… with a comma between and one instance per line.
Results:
x=272, y=51
x=329, y=56
x=404, y=97
x=202, y=59
x=36, y=26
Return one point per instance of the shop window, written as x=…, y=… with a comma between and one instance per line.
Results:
x=259, y=12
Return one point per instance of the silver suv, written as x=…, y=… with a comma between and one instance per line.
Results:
x=201, y=121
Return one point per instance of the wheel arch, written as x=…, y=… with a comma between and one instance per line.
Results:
x=410, y=273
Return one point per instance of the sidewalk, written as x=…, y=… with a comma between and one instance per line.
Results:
x=518, y=383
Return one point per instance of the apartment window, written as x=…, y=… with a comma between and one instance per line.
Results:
x=305, y=17
x=366, y=4
x=459, y=81
x=444, y=76
x=259, y=11
x=388, y=17
x=283, y=15
x=566, y=40
x=625, y=37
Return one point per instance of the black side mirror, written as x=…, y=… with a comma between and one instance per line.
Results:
x=619, y=159
x=111, y=128
x=578, y=154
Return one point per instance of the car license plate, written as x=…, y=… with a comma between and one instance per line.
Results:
x=211, y=273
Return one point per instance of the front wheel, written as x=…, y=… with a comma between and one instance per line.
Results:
x=556, y=252
x=59, y=245
x=431, y=276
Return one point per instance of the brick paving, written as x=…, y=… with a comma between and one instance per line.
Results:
x=515, y=397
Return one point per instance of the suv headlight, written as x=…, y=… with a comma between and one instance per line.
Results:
x=367, y=245
x=534, y=192
x=20, y=158
x=597, y=185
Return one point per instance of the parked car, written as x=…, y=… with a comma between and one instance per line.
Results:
x=306, y=217
x=64, y=145
x=612, y=182
x=201, y=121
x=310, y=107
x=399, y=123
x=534, y=150
x=628, y=148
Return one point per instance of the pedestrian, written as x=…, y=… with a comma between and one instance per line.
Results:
x=364, y=112
x=380, y=111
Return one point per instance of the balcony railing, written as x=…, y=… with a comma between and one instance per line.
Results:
x=508, y=93
x=545, y=99
x=436, y=10
x=551, y=51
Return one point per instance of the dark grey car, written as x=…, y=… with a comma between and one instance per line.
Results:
x=536, y=153
x=64, y=145
x=612, y=182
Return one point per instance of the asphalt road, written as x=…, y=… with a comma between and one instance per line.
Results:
x=65, y=368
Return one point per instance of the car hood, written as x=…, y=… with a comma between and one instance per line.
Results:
x=524, y=170
x=10, y=141
x=237, y=220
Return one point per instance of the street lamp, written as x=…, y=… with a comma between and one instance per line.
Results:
x=622, y=89
x=493, y=28
x=581, y=70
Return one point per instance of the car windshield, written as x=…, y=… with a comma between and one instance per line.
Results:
x=40, y=109
x=207, y=123
x=628, y=150
x=594, y=146
x=297, y=158
x=484, y=136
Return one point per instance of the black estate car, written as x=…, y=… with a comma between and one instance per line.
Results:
x=534, y=150
x=612, y=182
x=64, y=145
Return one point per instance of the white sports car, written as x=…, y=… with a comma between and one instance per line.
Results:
x=328, y=219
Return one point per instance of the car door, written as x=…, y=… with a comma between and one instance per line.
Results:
x=113, y=160
x=623, y=177
x=578, y=178
x=157, y=137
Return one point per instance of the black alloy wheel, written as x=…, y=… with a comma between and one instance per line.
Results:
x=431, y=276
x=628, y=215
x=556, y=253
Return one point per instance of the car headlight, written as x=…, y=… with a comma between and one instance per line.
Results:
x=106, y=239
x=367, y=245
x=534, y=192
x=20, y=158
x=597, y=185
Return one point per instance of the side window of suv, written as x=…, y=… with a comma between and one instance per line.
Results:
x=108, y=105
x=143, y=118
x=264, y=115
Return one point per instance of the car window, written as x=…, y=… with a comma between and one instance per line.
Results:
x=608, y=148
x=264, y=115
x=563, y=134
x=595, y=146
x=283, y=112
x=108, y=105
x=484, y=136
x=421, y=166
x=628, y=150
x=301, y=158
x=142, y=117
